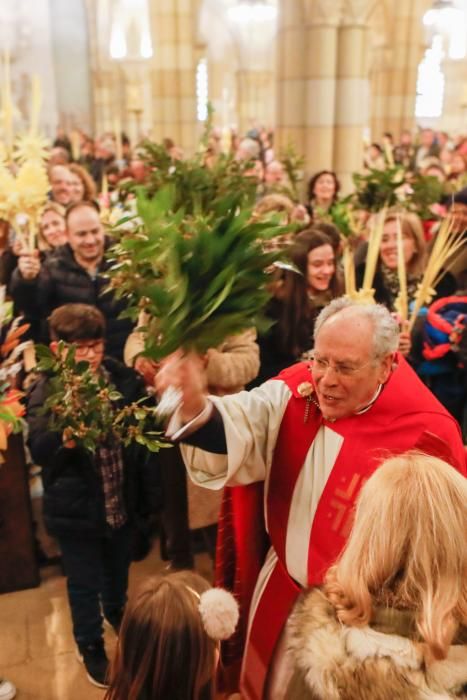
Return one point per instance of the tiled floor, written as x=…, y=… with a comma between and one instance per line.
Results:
x=37, y=651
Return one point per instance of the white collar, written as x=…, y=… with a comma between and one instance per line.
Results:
x=369, y=405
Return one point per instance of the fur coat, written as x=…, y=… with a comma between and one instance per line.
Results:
x=383, y=662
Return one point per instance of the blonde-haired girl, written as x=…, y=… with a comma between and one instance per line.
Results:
x=390, y=623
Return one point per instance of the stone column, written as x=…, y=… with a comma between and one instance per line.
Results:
x=291, y=62
x=255, y=99
x=105, y=100
x=107, y=75
x=407, y=46
x=379, y=77
x=352, y=94
x=321, y=65
x=174, y=71
x=455, y=97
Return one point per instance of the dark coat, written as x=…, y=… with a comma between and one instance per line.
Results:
x=62, y=280
x=8, y=265
x=73, y=495
x=274, y=357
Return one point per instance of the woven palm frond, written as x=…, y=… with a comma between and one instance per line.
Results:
x=449, y=240
x=349, y=270
x=402, y=301
x=374, y=244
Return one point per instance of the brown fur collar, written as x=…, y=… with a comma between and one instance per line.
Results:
x=336, y=662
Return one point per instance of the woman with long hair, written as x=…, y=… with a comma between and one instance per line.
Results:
x=52, y=233
x=390, y=622
x=323, y=190
x=168, y=646
x=299, y=296
x=52, y=230
x=83, y=187
x=386, y=280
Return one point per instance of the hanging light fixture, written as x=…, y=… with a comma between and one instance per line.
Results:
x=447, y=19
x=252, y=11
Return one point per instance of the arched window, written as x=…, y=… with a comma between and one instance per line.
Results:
x=430, y=81
x=202, y=90
x=447, y=35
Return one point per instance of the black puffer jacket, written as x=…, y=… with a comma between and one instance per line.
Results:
x=62, y=280
x=73, y=496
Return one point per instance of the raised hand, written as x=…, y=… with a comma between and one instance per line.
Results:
x=29, y=265
x=184, y=372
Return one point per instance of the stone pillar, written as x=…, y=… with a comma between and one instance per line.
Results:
x=407, y=46
x=291, y=61
x=455, y=97
x=110, y=78
x=379, y=79
x=321, y=64
x=174, y=71
x=255, y=103
x=105, y=103
x=352, y=99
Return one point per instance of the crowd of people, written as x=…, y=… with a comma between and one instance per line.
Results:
x=325, y=458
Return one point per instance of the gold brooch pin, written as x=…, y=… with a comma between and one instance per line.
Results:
x=305, y=389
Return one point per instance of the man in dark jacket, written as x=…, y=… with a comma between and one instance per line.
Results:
x=89, y=499
x=72, y=274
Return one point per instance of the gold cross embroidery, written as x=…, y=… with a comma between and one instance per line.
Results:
x=342, y=503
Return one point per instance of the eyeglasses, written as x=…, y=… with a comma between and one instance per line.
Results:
x=85, y=349
x=343, y=369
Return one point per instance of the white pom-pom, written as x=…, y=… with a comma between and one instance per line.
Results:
x=219, y=612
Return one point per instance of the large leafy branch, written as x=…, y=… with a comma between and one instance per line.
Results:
x=86, y=409
x=201, y=278
x=199, y=189
x=378, y=189
x=393, y=187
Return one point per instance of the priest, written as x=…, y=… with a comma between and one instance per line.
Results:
x=313, y=435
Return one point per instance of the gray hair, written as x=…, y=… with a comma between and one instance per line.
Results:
x=386, y=328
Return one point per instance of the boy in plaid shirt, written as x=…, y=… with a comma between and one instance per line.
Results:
x=89, y=499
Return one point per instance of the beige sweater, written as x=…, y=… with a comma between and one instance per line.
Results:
x=229, y=366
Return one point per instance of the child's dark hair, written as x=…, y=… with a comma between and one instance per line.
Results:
x=331, y=231
x=163, y=650
x=73, y=322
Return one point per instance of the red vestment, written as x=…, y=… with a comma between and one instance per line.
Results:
x=405, y=416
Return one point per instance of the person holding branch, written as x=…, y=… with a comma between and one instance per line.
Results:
x=313, y=435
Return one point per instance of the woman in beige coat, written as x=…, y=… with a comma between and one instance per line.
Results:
x=186, y=506
x=390, y=622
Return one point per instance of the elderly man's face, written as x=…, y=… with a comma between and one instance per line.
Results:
x=61, y=184
x=345, y=376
